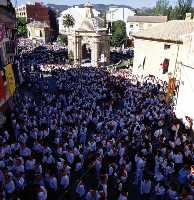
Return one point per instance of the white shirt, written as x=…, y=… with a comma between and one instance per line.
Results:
x=43, y=194
x=80, y=189
x=10, y=187
x=53, y=183
x=25, y=152
x=178, y=158
x=122, y=197
x=30, y=164
x=145, y=187
x=65, y=181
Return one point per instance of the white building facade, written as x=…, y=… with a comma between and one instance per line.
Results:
x=140, y=23
x=78, y=14
x=185, y=98
x=167, y=51
x=116, y=13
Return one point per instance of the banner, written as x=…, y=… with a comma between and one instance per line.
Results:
x=2, y=92
x=10, y=79
x=171, y=88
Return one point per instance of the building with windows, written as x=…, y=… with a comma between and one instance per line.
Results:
x=7, y=41
x=78, y=14
x=167, y=52
x=7, y=33
x=39, y=31
x=33, y=12
x=135, y=24
x=116, y=13
x=158, y=51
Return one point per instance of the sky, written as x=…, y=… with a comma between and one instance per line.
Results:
x=132, y=3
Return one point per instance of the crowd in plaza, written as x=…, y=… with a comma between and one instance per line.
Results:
x=92, y=134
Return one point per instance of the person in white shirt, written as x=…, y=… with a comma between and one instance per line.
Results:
x=64, y=182
x=42, y=193
x=52, y=185
x=80, y=190
x=92, y=194
x=9, y=185
x=145, y=188
x=123, y=196
x=160, y=191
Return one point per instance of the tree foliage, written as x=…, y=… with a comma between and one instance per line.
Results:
x=63, y=39
x=182, y=7
x=68, y=21
x=21, y=26
x=119, y=35
x=162, y=8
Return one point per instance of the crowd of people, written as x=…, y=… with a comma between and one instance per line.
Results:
x=93, y=134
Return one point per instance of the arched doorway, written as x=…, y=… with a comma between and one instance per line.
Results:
x=86, y=52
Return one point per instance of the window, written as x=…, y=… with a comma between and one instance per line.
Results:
x=165, y=65
x=166, y=46
x=131, y=25
x=141, y=25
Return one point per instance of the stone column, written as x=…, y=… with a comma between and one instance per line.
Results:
x=95, y=52
x=78, y=50
x=107, y=50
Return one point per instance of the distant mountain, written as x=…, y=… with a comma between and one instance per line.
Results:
x=58, y=8
x=100, y=7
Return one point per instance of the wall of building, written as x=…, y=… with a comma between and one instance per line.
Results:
x=154, y=53
x=134, y=27
x=7, y=41
x=185, y=94
x=181, y=66
x=33, y=12
x=21, y=11
x=115, y=14
x=41, y=34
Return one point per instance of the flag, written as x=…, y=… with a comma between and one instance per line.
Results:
x=2, y=92
x=10, y=79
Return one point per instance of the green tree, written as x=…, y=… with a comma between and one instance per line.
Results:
x=68, y=21
x=119, y=35
x=145, y=12
x=182, y=7
x=71, y=56
x=21, y=26
x=63, y=39
x=162, y=8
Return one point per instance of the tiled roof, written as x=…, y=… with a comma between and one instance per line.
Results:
x=171, y=31
x=147, y=19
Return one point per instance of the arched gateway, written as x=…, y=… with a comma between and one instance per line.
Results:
x=90, y=32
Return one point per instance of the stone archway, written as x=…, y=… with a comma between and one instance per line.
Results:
x=92, y=32
x=86, y=51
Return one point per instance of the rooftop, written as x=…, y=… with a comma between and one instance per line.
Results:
x=148, y=19
x=38, y=24
x=171, y=31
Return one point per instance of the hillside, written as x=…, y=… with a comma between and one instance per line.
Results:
x=100, y=7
